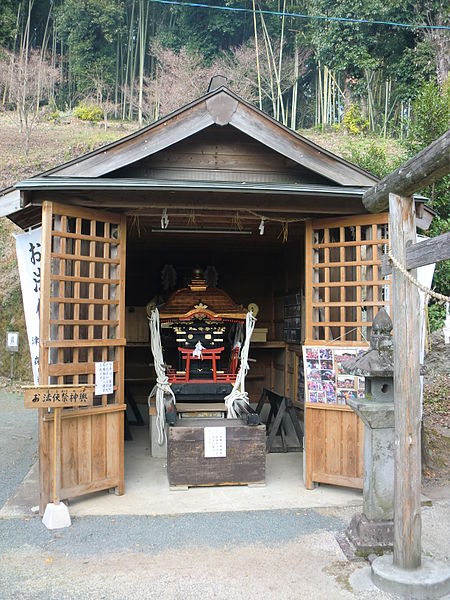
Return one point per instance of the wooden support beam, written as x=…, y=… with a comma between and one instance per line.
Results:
x=429, y=165
x=424, y=253
x=210, y=201
x=406, y=330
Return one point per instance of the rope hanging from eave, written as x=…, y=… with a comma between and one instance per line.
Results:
x=162, y=389
x=238, y=392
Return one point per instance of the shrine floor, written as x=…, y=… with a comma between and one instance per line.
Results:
x=147, y=490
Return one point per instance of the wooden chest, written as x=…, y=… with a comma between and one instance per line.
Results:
x=244, y=463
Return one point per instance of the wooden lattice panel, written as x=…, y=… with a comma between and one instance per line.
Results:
x=84, y=298
x=82, y=321
x=344, y=285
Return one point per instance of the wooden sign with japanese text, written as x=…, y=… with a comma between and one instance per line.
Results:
x=58, y=396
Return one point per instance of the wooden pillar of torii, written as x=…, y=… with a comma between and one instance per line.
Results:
x=395, y=191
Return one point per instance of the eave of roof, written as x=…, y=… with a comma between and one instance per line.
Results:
x=103, y=183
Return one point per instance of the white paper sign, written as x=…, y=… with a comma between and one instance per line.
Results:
x=28, y=250
x=104, y=378
x=12, y=340
x=215, y=441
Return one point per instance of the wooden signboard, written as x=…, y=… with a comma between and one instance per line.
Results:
x=58, y=396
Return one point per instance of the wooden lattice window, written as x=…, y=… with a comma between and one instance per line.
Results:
x=83, y=299
x=344, y=285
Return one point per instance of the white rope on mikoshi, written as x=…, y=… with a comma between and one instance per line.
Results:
x=162, y=388
x=238, y=392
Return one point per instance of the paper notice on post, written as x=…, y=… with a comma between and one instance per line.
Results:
x=215, y=441
x=104, y=378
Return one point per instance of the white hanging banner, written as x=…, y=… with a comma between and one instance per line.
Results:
x=28, y=250
x=425, y=277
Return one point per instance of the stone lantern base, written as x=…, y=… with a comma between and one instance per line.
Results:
x=364, y=536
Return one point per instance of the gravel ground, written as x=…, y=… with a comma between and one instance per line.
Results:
x=281, y=554
x=93, y=535
x=251, y=555
x=18, y=442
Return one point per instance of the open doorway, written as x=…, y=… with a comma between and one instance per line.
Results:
x=266, y=270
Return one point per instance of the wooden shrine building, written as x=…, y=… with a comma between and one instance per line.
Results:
x=277, y=219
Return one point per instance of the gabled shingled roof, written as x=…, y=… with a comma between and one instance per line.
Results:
x=221, y=107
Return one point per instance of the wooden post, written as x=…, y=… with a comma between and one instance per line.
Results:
x=57, y=455
x=406, y=331
x=422, y=169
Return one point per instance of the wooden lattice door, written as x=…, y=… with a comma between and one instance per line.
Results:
x=82, y=322
x=344, y=291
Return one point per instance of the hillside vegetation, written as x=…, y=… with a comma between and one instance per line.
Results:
x=50, y=145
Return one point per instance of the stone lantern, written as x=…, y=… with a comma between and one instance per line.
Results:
x=372, y=531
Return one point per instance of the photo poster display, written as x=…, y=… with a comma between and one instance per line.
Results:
x=326, y=381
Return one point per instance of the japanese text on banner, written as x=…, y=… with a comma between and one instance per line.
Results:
x=28, y=249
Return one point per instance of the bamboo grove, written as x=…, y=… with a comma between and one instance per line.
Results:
x=139, y=59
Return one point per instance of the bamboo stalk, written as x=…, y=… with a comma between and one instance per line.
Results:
x=281, y=58
x=269, y=66
x=257, y=56
x=116, y=78
x=42, y=57
x=127, y=68
x=294, y=89
x=11, y=62
x=277, y=75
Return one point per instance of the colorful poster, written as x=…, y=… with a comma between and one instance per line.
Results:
x=326, y=381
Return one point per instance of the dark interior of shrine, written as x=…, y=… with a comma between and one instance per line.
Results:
x=267, y=270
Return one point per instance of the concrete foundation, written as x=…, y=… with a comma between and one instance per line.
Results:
x=431, y=580
x=147, y=490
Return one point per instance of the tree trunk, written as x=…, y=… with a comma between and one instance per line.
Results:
x=441, y=43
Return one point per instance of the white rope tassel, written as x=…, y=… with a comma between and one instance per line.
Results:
x=162, y=387
x=238, y=392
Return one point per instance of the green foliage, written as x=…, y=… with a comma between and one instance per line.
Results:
x=436, y=316
x=353, y=47
x=436, y=397
x=431, y=110
x=90, y=30
x=431, y=120
x=415, y=66
x=88, y=112
x=8, y=15
x=373, y=156
x=353, y=121
x=207, y=31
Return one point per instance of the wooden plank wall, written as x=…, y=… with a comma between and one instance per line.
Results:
x=220, y=154
x=334, y=446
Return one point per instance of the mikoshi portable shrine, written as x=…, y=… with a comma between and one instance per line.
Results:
x=211, y=215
